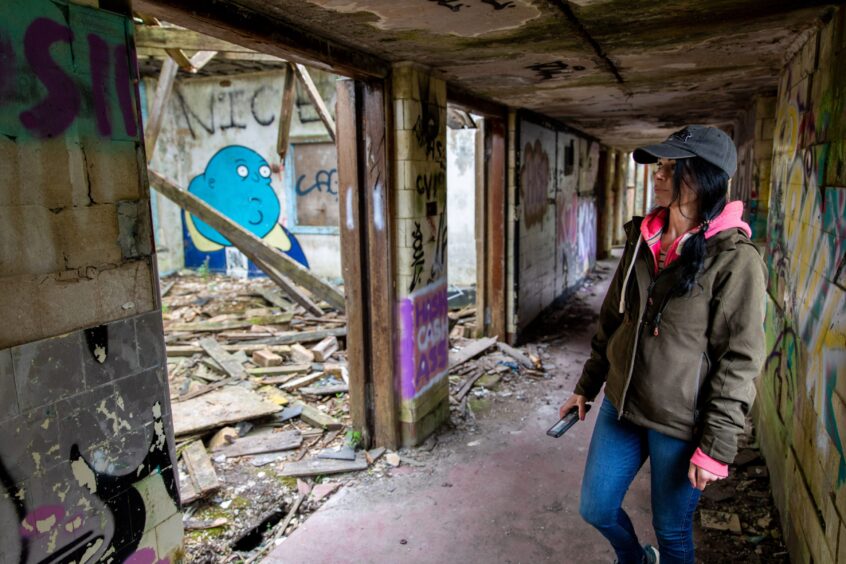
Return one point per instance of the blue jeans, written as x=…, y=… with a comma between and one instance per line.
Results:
x=617, y=451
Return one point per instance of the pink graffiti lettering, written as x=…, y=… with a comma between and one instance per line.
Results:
x=56, y=112
x=145, y=556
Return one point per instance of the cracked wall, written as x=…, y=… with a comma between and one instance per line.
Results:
x=85, y=456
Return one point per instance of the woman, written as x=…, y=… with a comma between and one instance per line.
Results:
x=679, y=342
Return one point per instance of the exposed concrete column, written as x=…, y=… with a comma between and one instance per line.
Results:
x=86, y=442
x=619, y=196
x=605, y=199
x=419, y=102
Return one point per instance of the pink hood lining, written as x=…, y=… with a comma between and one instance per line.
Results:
x=652, y=227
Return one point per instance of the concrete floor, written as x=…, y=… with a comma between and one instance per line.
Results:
x=512, y=497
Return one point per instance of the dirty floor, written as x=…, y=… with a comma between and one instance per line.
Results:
x=500, y=490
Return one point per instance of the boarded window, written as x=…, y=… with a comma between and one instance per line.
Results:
x=316, y=184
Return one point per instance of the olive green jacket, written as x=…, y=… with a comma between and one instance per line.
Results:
x=683, y=366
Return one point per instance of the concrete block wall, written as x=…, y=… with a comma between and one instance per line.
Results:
x=86, y=468
x=420, y=260
x=801, y=406
x=754, y=133
x=556, y=211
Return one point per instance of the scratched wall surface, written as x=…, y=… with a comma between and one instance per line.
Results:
x=210, y=126
x=421, y=240
x=802, y=392
x=557, y=230
x=85, y=451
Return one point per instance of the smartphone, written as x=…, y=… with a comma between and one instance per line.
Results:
x=566, y=422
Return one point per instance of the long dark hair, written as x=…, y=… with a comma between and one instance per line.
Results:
x=710, y=185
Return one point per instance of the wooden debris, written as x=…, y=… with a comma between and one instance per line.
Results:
x=305, y=336
x=316, y=99
x=219, y=408
x=374, y=454
x=222, y=438
x=468, y=385
x=263, y=442
x=302, y=381
x=517, y=355
x=322, y=466
x=229, y=364
x=325, y=390
x=283, y=282
x=278, y=371
x=301, y=354
x=344, y=452
x=720, y=521
x=204, y=524
x=201, y=474
x=208, y=326
x=325, y=349
x=265, y=358
x=248, y=243
x=318, y=419
x=190, y=350
x=472, y=350
x=274, y=297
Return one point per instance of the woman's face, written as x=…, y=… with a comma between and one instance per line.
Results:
x=663, y=184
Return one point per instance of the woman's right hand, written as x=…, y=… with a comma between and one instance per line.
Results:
x=573, y=400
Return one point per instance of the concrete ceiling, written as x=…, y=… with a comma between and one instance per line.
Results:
x=625, y=71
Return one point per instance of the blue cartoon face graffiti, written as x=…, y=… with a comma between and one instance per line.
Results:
x=236, y=183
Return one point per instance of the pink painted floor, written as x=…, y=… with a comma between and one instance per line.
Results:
x=512, y=497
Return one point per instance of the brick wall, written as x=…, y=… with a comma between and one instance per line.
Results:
x=801, y=406
x=85, y=451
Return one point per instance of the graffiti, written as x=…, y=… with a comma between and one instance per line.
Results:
x=225, y=110
x=323, y=179
x=424, y=339
x=236, y=182
x=534, y=182
x=428, y=129
x=806, y=249
x=430, y=184
x=439, y=260
x=587, y=236
x=418, y=257
x=59, y=67
x=92, y=515
x=554, y=69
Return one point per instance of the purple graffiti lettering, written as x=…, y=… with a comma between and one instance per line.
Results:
x=55, y=113
x=145, y=556
x=123, y=84
x=99, y=60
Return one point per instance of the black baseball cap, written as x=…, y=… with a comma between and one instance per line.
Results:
x=708, y=143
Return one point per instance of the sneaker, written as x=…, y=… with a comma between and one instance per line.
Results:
x=651, y=554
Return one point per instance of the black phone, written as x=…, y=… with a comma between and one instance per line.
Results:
x=566, y=422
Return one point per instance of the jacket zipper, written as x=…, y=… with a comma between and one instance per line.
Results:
x=637, y=337
x=696, y=393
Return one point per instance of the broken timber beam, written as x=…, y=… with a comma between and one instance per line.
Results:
x=316, y=99
x=472, y=350
x=286, y=113
x=249, y=244
x=289, y=288
x=164, y=88
x=226, y=361
x=192, y=64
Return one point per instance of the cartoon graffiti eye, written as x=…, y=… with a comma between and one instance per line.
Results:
x=264, y=171
x=242, y=171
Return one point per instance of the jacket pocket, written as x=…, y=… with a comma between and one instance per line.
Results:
x=701, y=376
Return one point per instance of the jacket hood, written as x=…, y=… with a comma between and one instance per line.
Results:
x=652, y=227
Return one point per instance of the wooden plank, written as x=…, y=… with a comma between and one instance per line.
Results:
x=352, y=254
x=201, y=473
x=517, y=355
x=229, y=364
x=303, y=380
x=323, y=466
x=325, y=348
x=253, y=247
x=190, y=350
x=208, y=326
x=286, y=113
x=317, y=418
x=157, y=37
x=324, y=390
x=263, y=442
x=282, y=318
x=278, y=370
x=194, y=63
x=219, y=408
x=481, y=232
x=475, y=348
x=304, y=336
x=377, y=190
x=289, y=288
x=164, y=88
x=274, y=297
x=316, y=99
